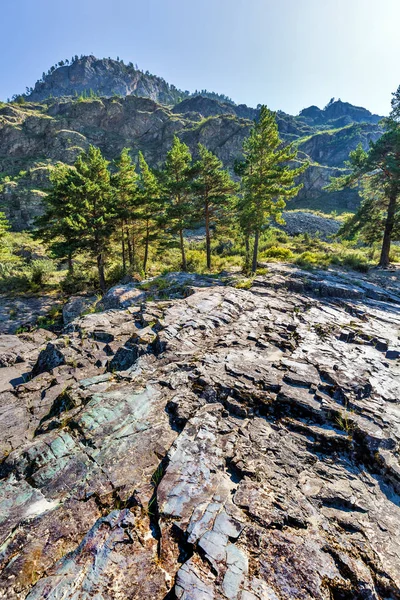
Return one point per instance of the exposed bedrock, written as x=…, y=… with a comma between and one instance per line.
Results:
x=231, y=444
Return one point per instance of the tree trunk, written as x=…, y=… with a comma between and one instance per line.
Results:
x=123, y=248
x=146, y=249
x=184, y=263
x=208, y=238
x=247, y=251
x=387, y=236
x=133, y=247
x=70, y=263
x=129, y=244
x=100, y=268
x=255, y=252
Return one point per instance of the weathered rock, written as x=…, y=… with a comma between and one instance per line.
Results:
x=244, y=448
x=75, y=306
x=122, y=296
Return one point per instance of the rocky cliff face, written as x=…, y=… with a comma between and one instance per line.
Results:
x=56, y=126
x=104, y=77
x=35, y=136
x=338, y=113
x=231, y=444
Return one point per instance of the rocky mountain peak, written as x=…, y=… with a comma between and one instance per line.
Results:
x=105, y=77
x=338, y=113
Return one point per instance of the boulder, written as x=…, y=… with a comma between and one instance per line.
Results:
x=122, y=296
x=76, y=306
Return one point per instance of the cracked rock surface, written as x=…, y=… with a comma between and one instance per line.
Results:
x=231, y=444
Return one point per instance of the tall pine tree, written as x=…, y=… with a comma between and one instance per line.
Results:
x=179, y=209
x=150, y=203
x=214, y=190
x=54, y=226
x=379, y=171
x=268, y=179
x=125, y=182
x=81, y=208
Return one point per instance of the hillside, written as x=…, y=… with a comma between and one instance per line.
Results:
x=112, y=105
x=105, y=77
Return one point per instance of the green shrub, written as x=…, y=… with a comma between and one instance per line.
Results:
x=40, y=271
x=115, y=274
x=79, y=281
x=244, y=284
x=357, y=261
x=278, y=253
x=312, y=259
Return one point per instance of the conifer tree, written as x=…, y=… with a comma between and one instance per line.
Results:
x=95, y=215
x=214, y=189
x=268, y=179
x=4, y=225
x=179, y=209
x=125, y=182
x=149, y=205
x=54, y=226
x=379, y=170
x=81, y=208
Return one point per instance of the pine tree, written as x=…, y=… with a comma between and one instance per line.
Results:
x=179, y=209
x=95, y=215
x=125, y=182
x=214, y=189
x=268, y=179
x=379, y=169
x=149, y=205
x=4, y=227
x=80, y=208
x=54, y=227
x=395, y=113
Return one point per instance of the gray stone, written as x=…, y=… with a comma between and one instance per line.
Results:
x=248, y=453
x=75, y=306
x=122, y=296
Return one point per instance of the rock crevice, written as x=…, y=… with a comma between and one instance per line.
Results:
x=249, y=450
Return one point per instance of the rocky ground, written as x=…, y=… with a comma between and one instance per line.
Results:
x=17, y=312
x=231, y=444
x=297, y=222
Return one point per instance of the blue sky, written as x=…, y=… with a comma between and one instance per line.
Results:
x=287, y=54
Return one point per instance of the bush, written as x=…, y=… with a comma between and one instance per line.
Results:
x=278, y=253
x=115, y=274
x=79, y=281
x=356, y=261
x=195, y=260
x=244, y=284
x=312, y=259
x=40, y=271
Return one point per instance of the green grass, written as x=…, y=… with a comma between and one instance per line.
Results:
x=26, y=265
x=244, y=284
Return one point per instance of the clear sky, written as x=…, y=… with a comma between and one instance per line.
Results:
x=287, y=54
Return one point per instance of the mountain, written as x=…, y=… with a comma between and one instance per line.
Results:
x=338, y=114
x=113, y=105
x=106, y=77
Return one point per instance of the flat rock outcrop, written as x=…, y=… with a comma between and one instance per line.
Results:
x=228, y=444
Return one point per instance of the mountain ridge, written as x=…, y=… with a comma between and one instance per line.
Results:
x=36, y=135
x=108, y=77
